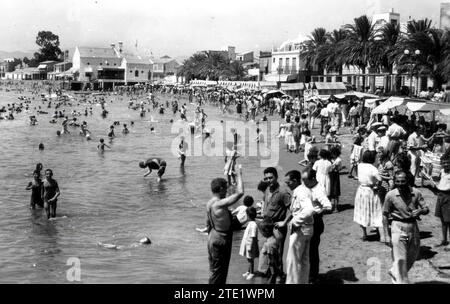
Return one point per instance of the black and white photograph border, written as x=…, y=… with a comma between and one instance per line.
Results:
x=250, y=143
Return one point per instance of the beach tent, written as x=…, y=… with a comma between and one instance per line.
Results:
x=428, y=107
x=390, y=103
x=355, y=94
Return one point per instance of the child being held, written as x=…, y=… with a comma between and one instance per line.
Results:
x=240, y=218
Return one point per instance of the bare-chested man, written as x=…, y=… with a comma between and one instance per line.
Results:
x=220, y=233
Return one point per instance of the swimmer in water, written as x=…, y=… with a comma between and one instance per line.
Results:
x=152, y=129
x=50, y=194
x=101, y=146
x=125, y=129
x=36, y=191
x=111, y=132
x=154, y=164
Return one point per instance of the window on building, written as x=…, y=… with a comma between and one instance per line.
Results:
x=101, y=63
x=107, y=63
x=131, y=71
x=142, y=72
x=136, y=73
x=280, y=63
x=115, y=64
x=273, y=60
x=328, y=79
x=294, y=63
x=287, y=62
x=349, y=79
x=338, y=78
x=88, y=63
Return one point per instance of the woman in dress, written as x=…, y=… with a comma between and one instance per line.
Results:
x=323, y=167
x=335, y=182
x=368, y=210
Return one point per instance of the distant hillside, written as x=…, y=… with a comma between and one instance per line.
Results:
x=17, y=54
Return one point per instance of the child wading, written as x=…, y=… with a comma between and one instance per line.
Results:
x=249, y=245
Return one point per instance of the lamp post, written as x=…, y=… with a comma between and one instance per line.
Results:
x=415, y=54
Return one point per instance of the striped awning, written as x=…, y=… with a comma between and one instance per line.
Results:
x=330, y=85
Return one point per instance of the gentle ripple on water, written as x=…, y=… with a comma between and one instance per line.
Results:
x=105, y=199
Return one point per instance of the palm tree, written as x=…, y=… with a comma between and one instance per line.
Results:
x=419, y=26
x=235, y=71
x=313, y=52
x=434, y=47
x=191, y=66
x=387, y=45
x=358, y=48
x=332, y=51
x=214, y=66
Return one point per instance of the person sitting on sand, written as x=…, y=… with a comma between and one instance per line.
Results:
x=154, y=164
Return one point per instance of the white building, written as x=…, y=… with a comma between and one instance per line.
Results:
x=286, y=63
x=379, y=20
x=106, y=67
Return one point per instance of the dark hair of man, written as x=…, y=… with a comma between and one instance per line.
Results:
x=218, y=184
x=294, y=175
x=271, y=170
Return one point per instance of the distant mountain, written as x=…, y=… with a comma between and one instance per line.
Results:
x=17, y=54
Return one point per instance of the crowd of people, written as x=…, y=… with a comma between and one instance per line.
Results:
x=385, y=159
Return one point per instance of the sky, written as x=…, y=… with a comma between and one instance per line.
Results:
x=179, y=28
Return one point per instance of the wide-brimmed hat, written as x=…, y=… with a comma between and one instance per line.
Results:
x=376, y=125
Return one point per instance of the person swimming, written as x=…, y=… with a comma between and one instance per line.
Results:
x=101, y=146
x=154, y=164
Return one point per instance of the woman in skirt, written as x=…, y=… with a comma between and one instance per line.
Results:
x=368, y=209
x=335, y=182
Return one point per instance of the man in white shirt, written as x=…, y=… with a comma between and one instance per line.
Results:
x=373, y=139
x=415, y=145
x=302, y=227
x=395, y=133
x=384, y=140
x=318, y=197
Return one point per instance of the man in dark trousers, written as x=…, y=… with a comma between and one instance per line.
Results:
x=220, y=233
x=319, y=197
x=275, y=208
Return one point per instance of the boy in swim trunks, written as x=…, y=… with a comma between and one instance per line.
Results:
x=50, y=194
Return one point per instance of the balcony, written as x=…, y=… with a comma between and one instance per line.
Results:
x=287, y=70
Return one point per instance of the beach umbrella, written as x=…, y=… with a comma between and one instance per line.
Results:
x=274, y=93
